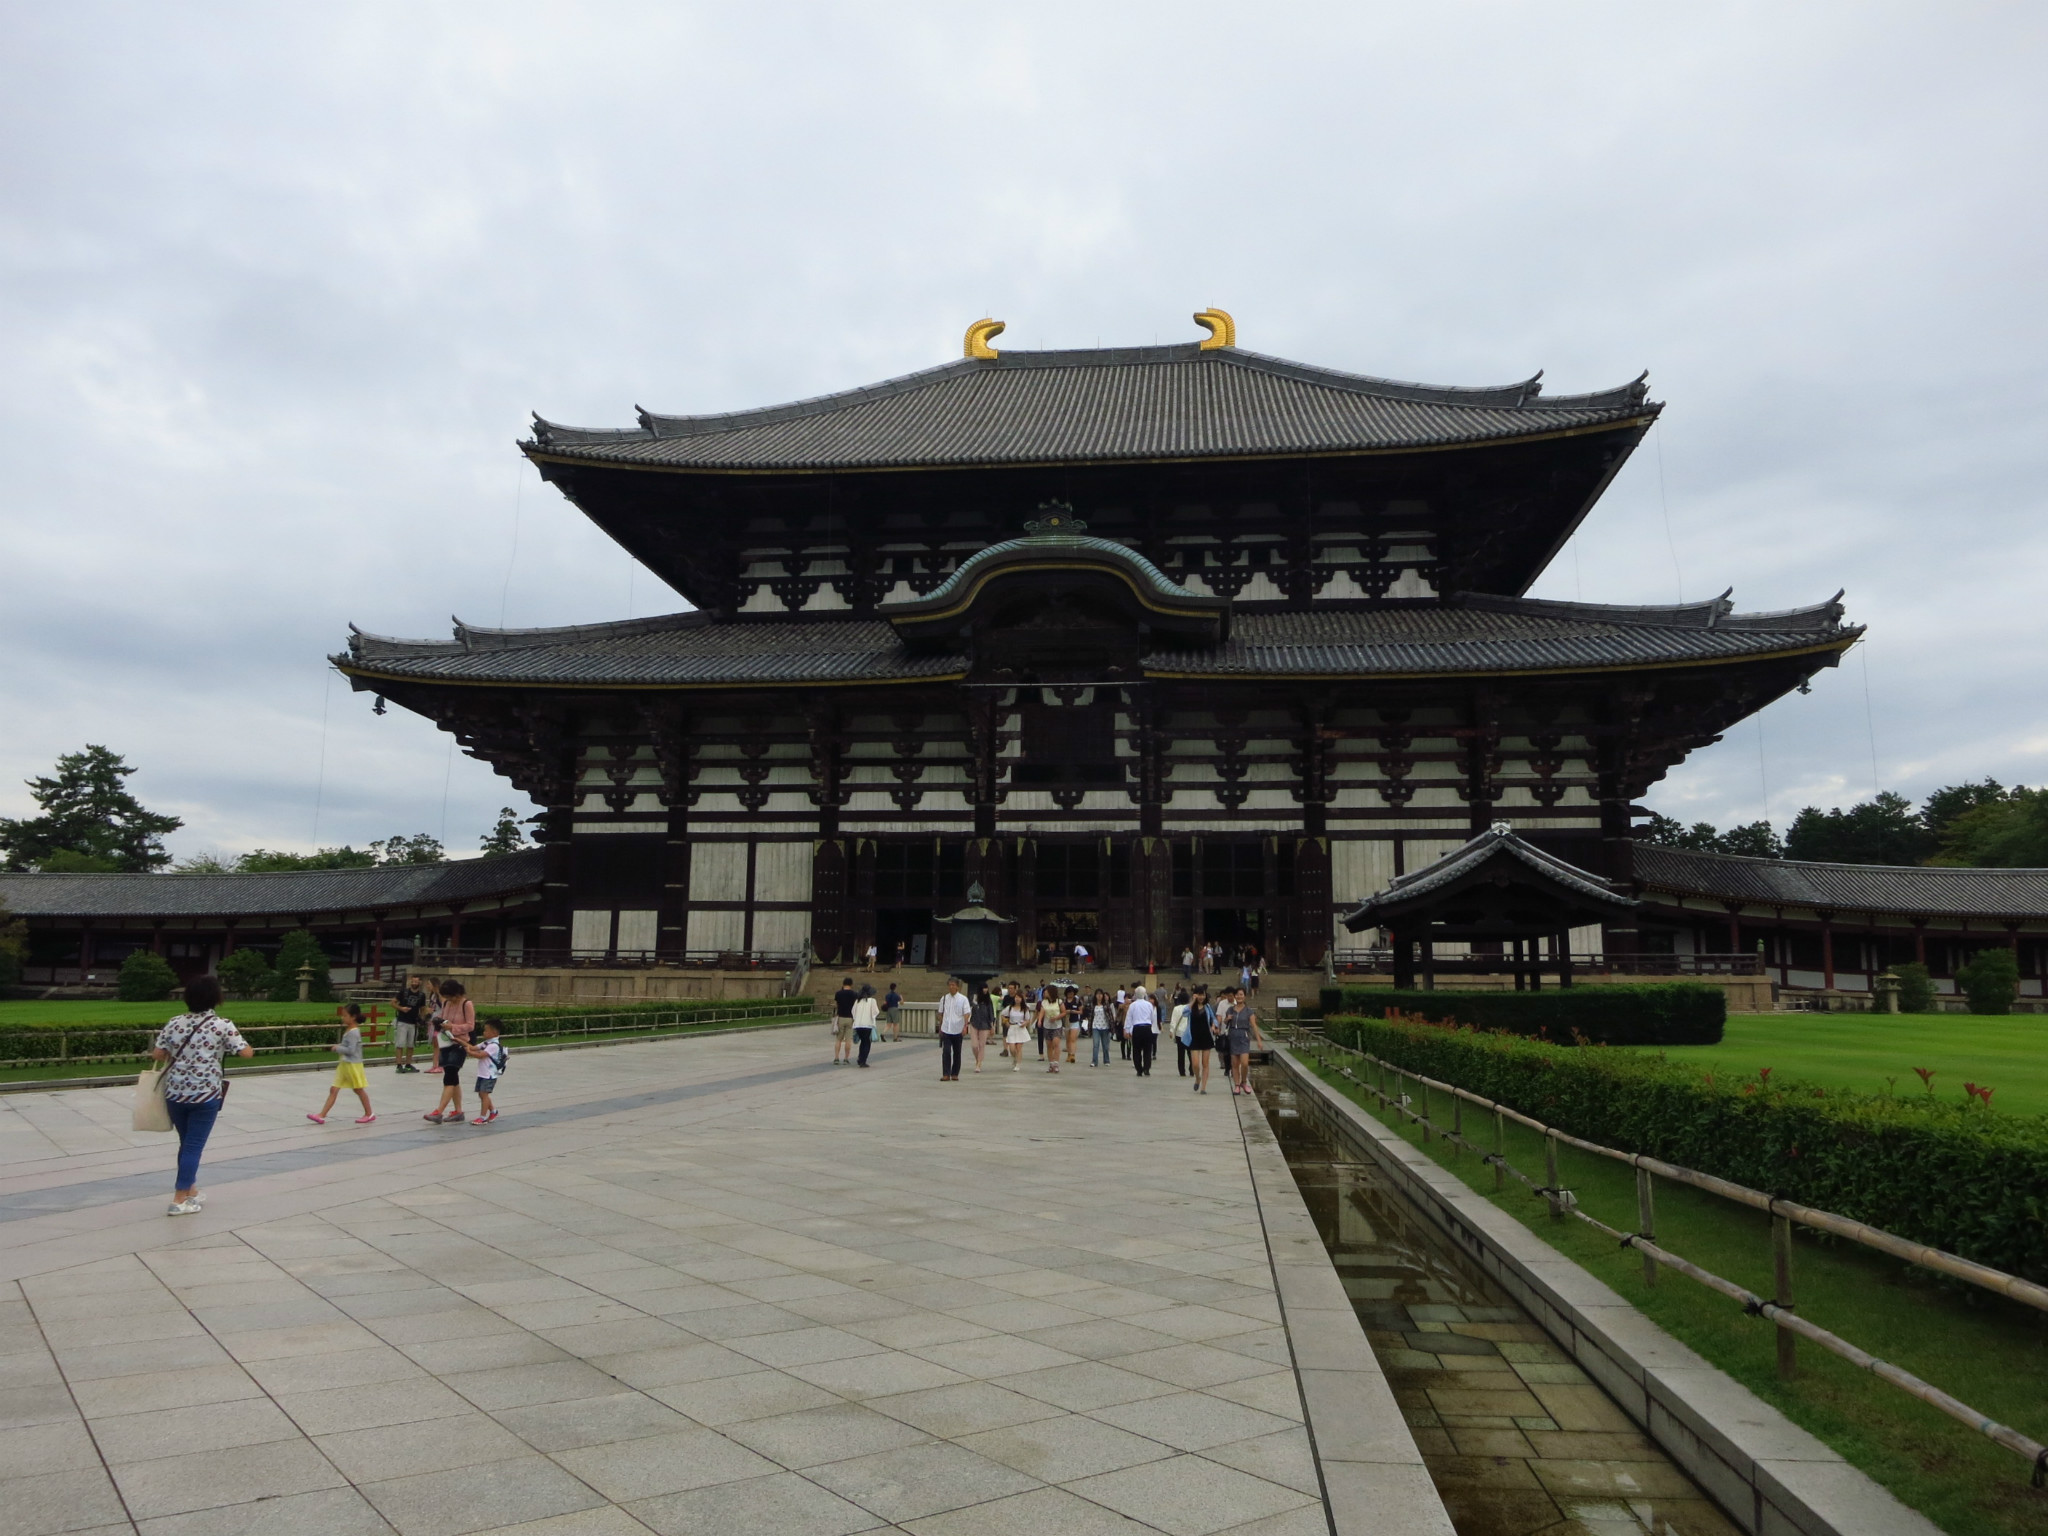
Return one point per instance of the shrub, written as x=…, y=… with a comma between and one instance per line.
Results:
x=1958, y=1176
x=1683, y=1013
x=299, y=949
x=246, y=973
x=1916, y=988
x=1990, y=981
x=146, y=978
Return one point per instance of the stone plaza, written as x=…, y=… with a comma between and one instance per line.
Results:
x=707, y=1286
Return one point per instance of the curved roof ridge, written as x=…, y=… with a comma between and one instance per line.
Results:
x=1523, y=394
x=1710, y=613
x=477, y=637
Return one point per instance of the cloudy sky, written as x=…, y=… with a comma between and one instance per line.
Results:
x=279, y=285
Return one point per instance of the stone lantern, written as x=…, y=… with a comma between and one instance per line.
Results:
x=1887, y=986
x=977, y=940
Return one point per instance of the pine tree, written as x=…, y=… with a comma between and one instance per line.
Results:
x=508, y=836
x=87, y=813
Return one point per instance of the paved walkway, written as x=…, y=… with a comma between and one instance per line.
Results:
x=704, y=1286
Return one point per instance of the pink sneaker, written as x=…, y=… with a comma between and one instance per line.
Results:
x=317, y=1119
x=481, y=1120
x=436, y=1117
x=364, y=1119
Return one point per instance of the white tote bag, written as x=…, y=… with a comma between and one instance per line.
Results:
x=151, y=1113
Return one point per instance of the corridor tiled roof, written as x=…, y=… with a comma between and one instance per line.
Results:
x=1503, y=635
x=1096, y=405
x=284, y=893
x=1911, y=890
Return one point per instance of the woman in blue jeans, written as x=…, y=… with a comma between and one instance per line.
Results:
x=194, y=1089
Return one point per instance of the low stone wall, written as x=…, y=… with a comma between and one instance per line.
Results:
x=511, y=985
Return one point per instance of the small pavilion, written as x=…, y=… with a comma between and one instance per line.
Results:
x=1511, y=902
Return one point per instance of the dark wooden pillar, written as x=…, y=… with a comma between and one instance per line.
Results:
x=1404, y=959
x=1734, y=909
x=672, y=933
x=1428, y=962
x=861, y=905
x=84, y=950
x=455, y=925
x=1564, y=958
x=1024, y=896
x=1920, y=940
x=828, y=900
x=377, y=948
x=556, y=898
x=1827, y=950
x=1312, y=901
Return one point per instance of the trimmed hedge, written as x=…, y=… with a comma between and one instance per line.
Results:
x=1963, y=1178
x=1678, y=1013
x=56, y=1042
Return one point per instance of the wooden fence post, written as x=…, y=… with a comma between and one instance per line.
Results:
x=1781, y=1261
x=1423, y=1088
x=1646, y=1220
x=1500, y=1150
x=1550, y=1175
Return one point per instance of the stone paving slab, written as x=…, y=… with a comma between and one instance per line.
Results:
x=699, y=1286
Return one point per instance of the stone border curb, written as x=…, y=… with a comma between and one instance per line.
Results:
x=127, y=1079
x=1768, y=1474
x=1374, y=1482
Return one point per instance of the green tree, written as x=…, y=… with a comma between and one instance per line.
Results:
x=299, y=949
x=1916, y=988
x=1990, y=981
x=1755, y=840
x=417, y=849
x=69, y=861
x=13, y=946
x=87, y=809
x=203, y=864
x=246, y=973
x=2010, y=833
x=264, y=861
x=1952, y=800
x=146, y=978
x=508, y=836
x=1884, y=830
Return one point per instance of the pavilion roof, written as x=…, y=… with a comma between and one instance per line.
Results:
x=283, y=893
x=1420, y=890
x=1096, y=406
x=1906, y=889
x=1477, y=637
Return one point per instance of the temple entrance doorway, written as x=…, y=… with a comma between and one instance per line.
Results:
x=909, y=926
x=1234, y=927
x=1060, y=929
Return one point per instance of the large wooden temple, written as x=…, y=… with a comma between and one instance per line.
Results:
x=1155, y=644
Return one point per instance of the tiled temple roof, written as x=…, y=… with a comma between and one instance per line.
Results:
x=285, y=893
x=1480, y=636
x=1911, y=890
x=1095, y=406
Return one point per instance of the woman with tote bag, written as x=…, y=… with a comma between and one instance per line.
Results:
x=191, y=1047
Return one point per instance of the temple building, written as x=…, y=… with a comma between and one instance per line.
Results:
x=1156, y=644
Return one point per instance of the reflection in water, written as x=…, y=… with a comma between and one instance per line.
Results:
x=1518, y=1439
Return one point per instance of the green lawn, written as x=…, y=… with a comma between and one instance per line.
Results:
x=2008, y=1053
x=1990, y=1353
x=94, y=1011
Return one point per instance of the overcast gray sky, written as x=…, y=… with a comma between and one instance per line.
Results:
x=279, y=285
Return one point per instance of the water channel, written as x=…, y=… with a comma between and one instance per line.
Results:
x=1518, y=1439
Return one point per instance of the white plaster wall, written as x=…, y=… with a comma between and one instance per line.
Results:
x=716, y=930
x=782, y=872
x=718, y=872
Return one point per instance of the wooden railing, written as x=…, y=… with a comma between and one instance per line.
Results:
x=1380, y=962
x=1388, y=1085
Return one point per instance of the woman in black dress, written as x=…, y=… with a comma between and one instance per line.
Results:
x=1201, y=1039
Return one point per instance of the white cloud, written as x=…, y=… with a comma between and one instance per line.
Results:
x=278, y=286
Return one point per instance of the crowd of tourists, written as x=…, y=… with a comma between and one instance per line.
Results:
x=1121, y=1024
x=189, y=1052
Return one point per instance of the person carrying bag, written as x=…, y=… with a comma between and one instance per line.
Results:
x=191, y=1088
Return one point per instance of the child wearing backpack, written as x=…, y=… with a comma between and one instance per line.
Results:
x=490, y=1059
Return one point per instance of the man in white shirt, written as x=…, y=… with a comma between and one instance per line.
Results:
x=953, y=1010
x=1141, y=1023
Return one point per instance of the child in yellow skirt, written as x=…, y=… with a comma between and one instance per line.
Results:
x=349, y=1073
